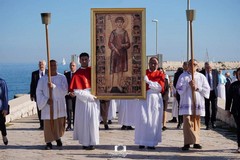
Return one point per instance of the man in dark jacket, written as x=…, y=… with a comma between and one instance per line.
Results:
x=36, y=75
x=233, y=104
x=175, y=79
x=212, y=77
x=70, y=97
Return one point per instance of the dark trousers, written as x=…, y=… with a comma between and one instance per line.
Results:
x=180, y=117
x=2, y=124
x=213, y=100
x=237, y=121
x=104, y=107
x=70, y=103
x=39, y=117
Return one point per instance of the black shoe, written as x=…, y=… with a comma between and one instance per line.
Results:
x=5, y=140
x=179, y=126
x=207, y=127
x=90, y=148
x=84, y=147
x=164, y=128
x=197, y=146
x=109, y=122
x=59, y=143
x=141, y=147
x=48, y=146
x=174, y=120
x=214, y=125
x=123, y=127
x=40, y=128
x=106, y=127
x=151, y=147
x=101, y=122
x=130, y=128
x=186, y=147
x=68, y=129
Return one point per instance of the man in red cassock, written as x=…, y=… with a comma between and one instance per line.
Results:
x=86, y=123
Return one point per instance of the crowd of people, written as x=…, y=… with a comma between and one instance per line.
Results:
x=65, y=103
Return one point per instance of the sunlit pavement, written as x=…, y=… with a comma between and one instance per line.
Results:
x=26, y=142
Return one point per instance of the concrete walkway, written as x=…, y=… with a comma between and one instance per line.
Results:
x=26, y=142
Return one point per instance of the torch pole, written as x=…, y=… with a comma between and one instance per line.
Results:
x=46, y=18
x=190, y=18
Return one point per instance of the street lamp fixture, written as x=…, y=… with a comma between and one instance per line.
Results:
x=156, y=21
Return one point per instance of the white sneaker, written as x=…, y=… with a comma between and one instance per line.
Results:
x=5, y=140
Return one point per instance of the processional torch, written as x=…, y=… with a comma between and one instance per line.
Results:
x=191, y=18
x=46, y=19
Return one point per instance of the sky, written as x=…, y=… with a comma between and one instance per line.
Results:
x=216, y=29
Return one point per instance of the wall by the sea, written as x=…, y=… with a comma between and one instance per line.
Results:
x=222, y=114
x=174, y=65
x=21, y=107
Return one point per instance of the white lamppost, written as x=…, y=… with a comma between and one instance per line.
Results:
x=156, y=21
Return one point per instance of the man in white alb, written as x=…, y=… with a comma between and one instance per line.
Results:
x=148, y=127
x=192, y=111
x=59, y=88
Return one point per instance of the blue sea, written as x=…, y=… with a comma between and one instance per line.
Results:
x=18, y=76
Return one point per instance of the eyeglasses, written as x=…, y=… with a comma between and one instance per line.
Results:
x=153, y=63
x=194, y=64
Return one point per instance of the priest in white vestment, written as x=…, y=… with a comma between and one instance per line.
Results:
x=148, y=126
x=126, y=113
x=191, y=112
x=59, y=87
x=86, y=123
x=113, y=109
x=174, y=106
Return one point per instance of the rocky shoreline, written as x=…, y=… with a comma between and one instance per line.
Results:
x=174, y=65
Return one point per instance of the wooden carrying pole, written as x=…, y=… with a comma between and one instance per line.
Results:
x=191, y=17
x=46, y=17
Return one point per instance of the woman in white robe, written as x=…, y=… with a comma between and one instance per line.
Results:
x=221, y=85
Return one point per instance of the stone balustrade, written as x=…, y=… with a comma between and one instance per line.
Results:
x=21, y=106
x=222, y=114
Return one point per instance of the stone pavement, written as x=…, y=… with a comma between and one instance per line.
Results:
x=26, y=142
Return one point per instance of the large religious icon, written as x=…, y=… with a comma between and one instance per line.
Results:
x=118, y=53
